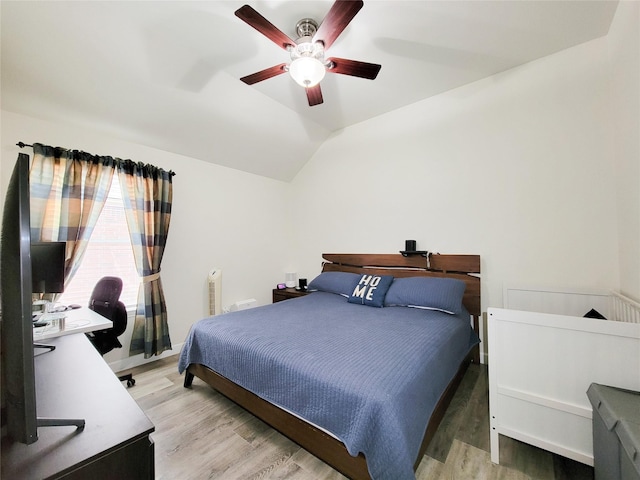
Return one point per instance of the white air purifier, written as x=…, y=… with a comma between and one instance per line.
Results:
x=215, y=291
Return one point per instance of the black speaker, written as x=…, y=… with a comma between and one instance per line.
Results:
x=409, y=245
x=302, y=283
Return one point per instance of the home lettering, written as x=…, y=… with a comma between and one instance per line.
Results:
x=366, y=287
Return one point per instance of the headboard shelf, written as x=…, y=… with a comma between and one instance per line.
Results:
x=409, y=253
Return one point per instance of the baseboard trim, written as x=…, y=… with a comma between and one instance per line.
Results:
x=137, y=360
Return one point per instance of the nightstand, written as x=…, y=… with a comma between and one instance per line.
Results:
x=287, y=293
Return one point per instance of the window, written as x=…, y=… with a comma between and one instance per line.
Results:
x=109, y=253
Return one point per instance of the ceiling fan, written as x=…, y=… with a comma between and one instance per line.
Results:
x=308, y=65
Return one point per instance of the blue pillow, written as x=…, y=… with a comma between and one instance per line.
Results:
x=433, y=293
x=371, y=290
x=341, y=283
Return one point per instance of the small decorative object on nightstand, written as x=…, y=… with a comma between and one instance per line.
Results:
x=290, y=279
x=287, y=293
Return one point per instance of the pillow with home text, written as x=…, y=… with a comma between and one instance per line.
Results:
x=371, y=290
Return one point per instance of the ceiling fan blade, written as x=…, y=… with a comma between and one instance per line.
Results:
x=354, y=68
x=339, y=16
x=264, y=26
x=314, y=95
x=264, y=74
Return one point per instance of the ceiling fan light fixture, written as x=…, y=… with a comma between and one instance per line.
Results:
x=307, y=66
x=307, y=71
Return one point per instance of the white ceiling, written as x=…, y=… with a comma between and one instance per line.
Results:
x=165, y=73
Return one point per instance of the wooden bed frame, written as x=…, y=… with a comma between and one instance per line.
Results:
x=319, y=443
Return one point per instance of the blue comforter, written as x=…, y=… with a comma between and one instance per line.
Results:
x=371, y=376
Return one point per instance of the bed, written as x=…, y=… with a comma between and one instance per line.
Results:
x=543, y=356
x=368, y=399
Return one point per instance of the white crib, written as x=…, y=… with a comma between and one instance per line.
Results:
x=543, y=355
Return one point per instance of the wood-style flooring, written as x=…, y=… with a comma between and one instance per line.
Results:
x=202, y=435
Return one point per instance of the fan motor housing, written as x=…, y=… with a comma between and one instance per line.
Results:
x=307, y=27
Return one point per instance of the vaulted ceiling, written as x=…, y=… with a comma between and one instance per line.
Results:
x=166, y=73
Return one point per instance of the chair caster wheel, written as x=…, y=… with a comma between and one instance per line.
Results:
x=131, y=383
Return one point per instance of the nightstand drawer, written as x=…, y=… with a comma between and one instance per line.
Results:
x=287, y=293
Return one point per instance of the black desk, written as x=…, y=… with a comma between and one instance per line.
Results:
x=73, y=381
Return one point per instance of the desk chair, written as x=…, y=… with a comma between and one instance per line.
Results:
x=105, y=301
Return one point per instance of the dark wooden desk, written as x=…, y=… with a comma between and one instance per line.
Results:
x=73, y=381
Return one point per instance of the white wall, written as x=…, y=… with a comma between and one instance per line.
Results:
x=517, y=168
x=535, y=169
x=221, y=218
x=624, y=45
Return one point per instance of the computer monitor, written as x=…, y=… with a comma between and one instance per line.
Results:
x=47, y=267
x=18, y=375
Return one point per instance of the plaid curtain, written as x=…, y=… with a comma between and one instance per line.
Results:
x=147, y=193
x=68, y=189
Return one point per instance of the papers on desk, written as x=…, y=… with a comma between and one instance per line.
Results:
x=81, y=320
x=59, y=325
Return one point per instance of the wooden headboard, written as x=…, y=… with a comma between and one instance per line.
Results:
x=461, y=267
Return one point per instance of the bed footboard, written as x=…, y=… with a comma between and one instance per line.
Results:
x=319, y=443
x=324, y=446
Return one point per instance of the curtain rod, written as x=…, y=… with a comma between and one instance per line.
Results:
x=22, y=145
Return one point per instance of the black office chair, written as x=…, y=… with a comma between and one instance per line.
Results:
x=105, y=301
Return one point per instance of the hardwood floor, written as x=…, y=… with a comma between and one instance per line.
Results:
x=200, y=434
